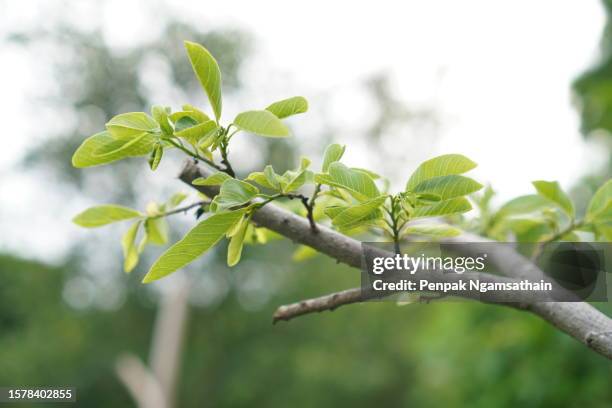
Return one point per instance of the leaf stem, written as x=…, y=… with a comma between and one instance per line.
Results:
x=181, y=209
x=194, y=155
x=305, y=203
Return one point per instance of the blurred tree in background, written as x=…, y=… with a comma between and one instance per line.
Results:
x=593, y=96
x=452, y=354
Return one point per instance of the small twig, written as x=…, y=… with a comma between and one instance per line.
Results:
x=320, y=304
x=182, y=209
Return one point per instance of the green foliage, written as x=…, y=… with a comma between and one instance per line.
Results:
x=333, y=153
x=197, y=241
x=104, y=214
x=552, y=191
x=345, y=218
x=208, y=73
x=234, y=249
x=130, y=125
x=130, y=251
x=445, y=165
x=455, y=205
x=432, y=230
x=349, y=199
x=357, y=183
x=215, y=180
x=233, y=193
x=102, y=148
x=600, y=206
x=288, y=107
x=446, y=187
x=262, y=123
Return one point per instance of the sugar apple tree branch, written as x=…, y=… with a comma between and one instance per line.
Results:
x=577, y=319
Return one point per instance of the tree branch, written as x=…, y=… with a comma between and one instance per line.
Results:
x=579, y=320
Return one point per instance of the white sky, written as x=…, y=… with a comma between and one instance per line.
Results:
x=499, y=73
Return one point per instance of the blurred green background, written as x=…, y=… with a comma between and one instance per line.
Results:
x=68, y=322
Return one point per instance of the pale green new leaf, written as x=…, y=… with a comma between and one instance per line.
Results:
x=274, y=180
x=157, y=230
x=128, y=125
x=288, y=107
x=524, y=205
x=552, y=191
x=176, y=199
x=234, y=249
x=214, y=180
x=195, y=113
x=200, y=239
x=354, y=215
x=130, y=251
x=102, y=148
x=208, y=73
x=444, y=165
x=194, y=134
x=333, y=153
x=358, y=184
x=260, y=178
x=262, y=123
x=447, y=187
x=160, y=114
x=104, y=214
x=294, y=179
x=453, y=206
x=434, y=230
x=600, y=206
x=156, y=156
x=233, y=193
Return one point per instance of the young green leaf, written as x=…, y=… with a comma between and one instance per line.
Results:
x=358, y=184
x=130, y=251
x=333, y=153
x=128, y=125
x=444, y=165
x=274, y=180
x=156, y=156
x=354, y=215
x=102, y=148
x=175, y=200
x=160, y=114
x=260, y=178
x=434, y=230
x=262, y=123
x=233, y=193
x=234, y=249
x=453, y=206
x=157, y=230
x=294, y=179
x=208, y=73
x=524, y=205
x=200, y=239
x=195, y=113
x=447, y=187
x=288, y=107
x=600, y=206
x=214, y=180
x=195, y=133
x=552, y=191
x=104, y=214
